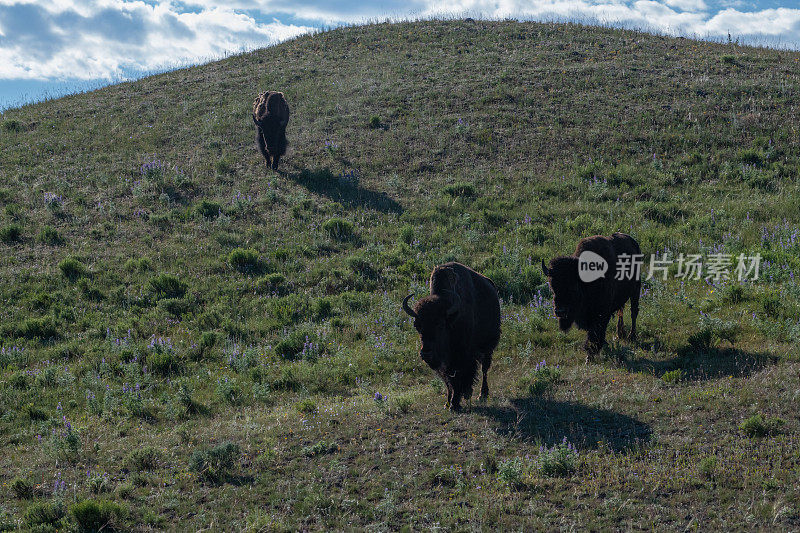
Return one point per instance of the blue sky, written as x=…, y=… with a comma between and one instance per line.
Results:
x=53, y=47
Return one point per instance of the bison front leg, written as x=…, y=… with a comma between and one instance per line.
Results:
x=455, y=405
x=275, y=159
x=635, y=310
x=596, y=338
x=620, y=324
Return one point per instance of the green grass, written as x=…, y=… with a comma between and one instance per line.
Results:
x=162, y=291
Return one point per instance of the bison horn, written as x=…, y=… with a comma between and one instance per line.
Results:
x=545, y=269
x=406, y=308
x=454, y=307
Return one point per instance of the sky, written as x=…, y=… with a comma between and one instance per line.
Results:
x=53, y=47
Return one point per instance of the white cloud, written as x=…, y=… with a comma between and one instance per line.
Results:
x=687, y=5
x=104, y=39
x=109, y=38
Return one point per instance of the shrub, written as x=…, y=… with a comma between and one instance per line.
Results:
x=215, y=464
x=98, y=483
x=164, y=362
x=307, y=406
x=44, y=514
x=270, y=283
x=90, y=291
x=143, y=459
x=460, y=190
x=49, y=235
x=772, y=305
x=300, y=344
x=322, y=308
x=558, y=461
x=176, y=307
x=66, y=444
x=758, y=426
x=72, y=268
x=142, y=264
x=714, y=330
x=375, y=122
x=520, y=286
x=166, y=286
x=208, y=209
x=319, y=448
x=542, y=378
x=287, y=381
x=673, y=376
x=13, y=125
x=339, y=229
x=38, y=328
x=361, y=266
x=489, y=464
x=752, y=157
x=229, y=391
x=275, y=279
x=407, y=234
x=95, y=516
x=208, y=340
x=510, y=471
x=244, y=259
x=707, y=467
x=225, y=166
x=22, y=488
x=11, y=233
x=187, y=402
x=402, y=403
x=733, y=294
x=289, y=309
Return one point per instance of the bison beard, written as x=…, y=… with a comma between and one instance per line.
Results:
x=271, y=115
x=459, y=325
x=590, y=305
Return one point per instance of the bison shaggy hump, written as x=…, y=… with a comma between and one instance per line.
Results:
x=271, y=115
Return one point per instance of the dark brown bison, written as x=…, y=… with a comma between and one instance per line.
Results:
x=590, y=305
x=459, y=325
x=271, y=115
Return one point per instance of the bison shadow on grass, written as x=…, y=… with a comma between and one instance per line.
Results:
x=706, y=363
x=549, y=421
x=347, y=192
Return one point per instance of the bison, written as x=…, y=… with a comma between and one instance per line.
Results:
x=459, y=325
x=271, y=115
x=590, y=304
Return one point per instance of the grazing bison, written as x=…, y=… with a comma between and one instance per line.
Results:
x=459, y=325
x=590, y=305
x=271, y=115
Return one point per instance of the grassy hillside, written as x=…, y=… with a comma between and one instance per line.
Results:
x=189, y=340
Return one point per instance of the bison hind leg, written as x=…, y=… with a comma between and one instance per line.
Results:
x=486, y=362
x=262, y=146
x=449, y=401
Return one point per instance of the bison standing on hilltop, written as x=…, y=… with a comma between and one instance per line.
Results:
x=271, y=115
x=459, y=325
x=590, y=304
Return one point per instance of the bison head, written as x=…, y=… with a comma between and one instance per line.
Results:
x=562, y=275
x=432, y=316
